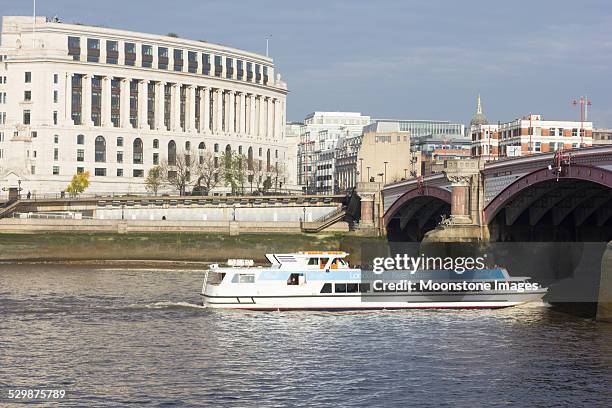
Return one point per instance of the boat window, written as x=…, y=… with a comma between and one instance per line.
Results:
x=364, y=287
x=322, y=262
x=326, y=288
x=294, y=279
x=334, y=264
x=246, y=278
x=340, y=288
x=215, y=278
x=313, y=261
x=352, y=287
x=341, y=262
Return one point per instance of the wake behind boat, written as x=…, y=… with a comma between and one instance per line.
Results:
x=323, y=280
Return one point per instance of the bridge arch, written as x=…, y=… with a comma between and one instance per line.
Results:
x=534, y=206
x=415, y=212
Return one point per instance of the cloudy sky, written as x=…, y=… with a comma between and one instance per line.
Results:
x=403, y=59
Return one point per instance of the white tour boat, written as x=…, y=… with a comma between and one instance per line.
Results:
x=323, y=280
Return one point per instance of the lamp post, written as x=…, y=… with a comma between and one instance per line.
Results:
x=360, y=169
x=381, y=175
x=368, y=167
x=385, y=173
x=304, y=210
x=405, y=173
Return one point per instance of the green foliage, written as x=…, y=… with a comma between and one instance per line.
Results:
x=155, y=179
x=235, y=171
x=78, y=184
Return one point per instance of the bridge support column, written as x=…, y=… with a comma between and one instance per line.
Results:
x=367, y=210
x=371, y=208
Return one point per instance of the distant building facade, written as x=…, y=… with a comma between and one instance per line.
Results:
x=602, y=136
x=319, y=137
x=78, y=98
x=530, y=134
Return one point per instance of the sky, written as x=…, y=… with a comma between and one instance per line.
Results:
x=400, y=59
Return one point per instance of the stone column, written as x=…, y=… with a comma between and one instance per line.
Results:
x=125, y=103
x=159, y=105
x=460, y=211
x=261, y=117
x=175, y=121
x=106, y=101
x=68, y=100
x=232, y=114
x=249, y=115
x=206, y=115
x=143, y=104
x=190, y=114
x=86, y=101
x=367, y=210
x=242, y=121
x=270, y=118
x=218, y=110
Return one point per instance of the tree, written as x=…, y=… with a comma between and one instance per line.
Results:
x=257, y=175
x=178, y=174
x=279, y=173
x=208, y=172
x=234, y=171
x=78, y=184
x=154, y=180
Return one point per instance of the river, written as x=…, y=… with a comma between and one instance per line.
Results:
x=116, y=335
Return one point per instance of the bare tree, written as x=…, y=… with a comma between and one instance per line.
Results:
x=279, y=174
x=178, y=171
x=257, y=176
x=208, y=172
x=155, y=179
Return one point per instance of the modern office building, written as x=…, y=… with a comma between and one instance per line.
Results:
x=77, y=98
x=319, y=137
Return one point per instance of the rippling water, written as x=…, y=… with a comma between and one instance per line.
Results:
x=119, y=336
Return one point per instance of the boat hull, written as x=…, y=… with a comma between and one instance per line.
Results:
x=385, y=302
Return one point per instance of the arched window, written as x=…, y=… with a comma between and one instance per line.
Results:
x=250, y=158
x=137, y=153
x=80, y=139
x=100, y=148
x=171, y=153
x=201, y=148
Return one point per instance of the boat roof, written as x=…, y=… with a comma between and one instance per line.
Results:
x=279, y=259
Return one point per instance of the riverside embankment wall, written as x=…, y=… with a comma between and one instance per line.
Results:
x=168, y=246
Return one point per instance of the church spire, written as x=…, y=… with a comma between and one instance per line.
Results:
x=479, y=117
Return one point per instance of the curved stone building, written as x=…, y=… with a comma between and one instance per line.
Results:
x=115, y=103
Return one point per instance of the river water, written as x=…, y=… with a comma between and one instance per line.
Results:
x=114, y=335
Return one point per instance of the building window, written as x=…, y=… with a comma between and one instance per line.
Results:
x=229, y=67
x=93, y=50
x=216, y=147
x=74, y=47
x=162, y=58
x=112, y=52
x=538, y=146
x=192, y=62
x=28, y=77
x=33, y=169
x=574, y=132
x=26, y=117
x=27, y=96
x=100, y=149
x=119, y=141
x=55, y=78
x=55, y=96
x=178, y=60
x=188, y=145
x=137, y=154
x=101, y=172
x=172, y=153
x=56, y=139
x=119, y=172
x=218, y=65
x=55, y=117
x=80, y=155
x=80, y=170
x=80, y=139
x=156, y=158
x=56, y=170
x=156, y=143
x=119, y=157
x=129, y=54
x=56, y=154
x=147, y=56
x=206, y=64
x=138, y=173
